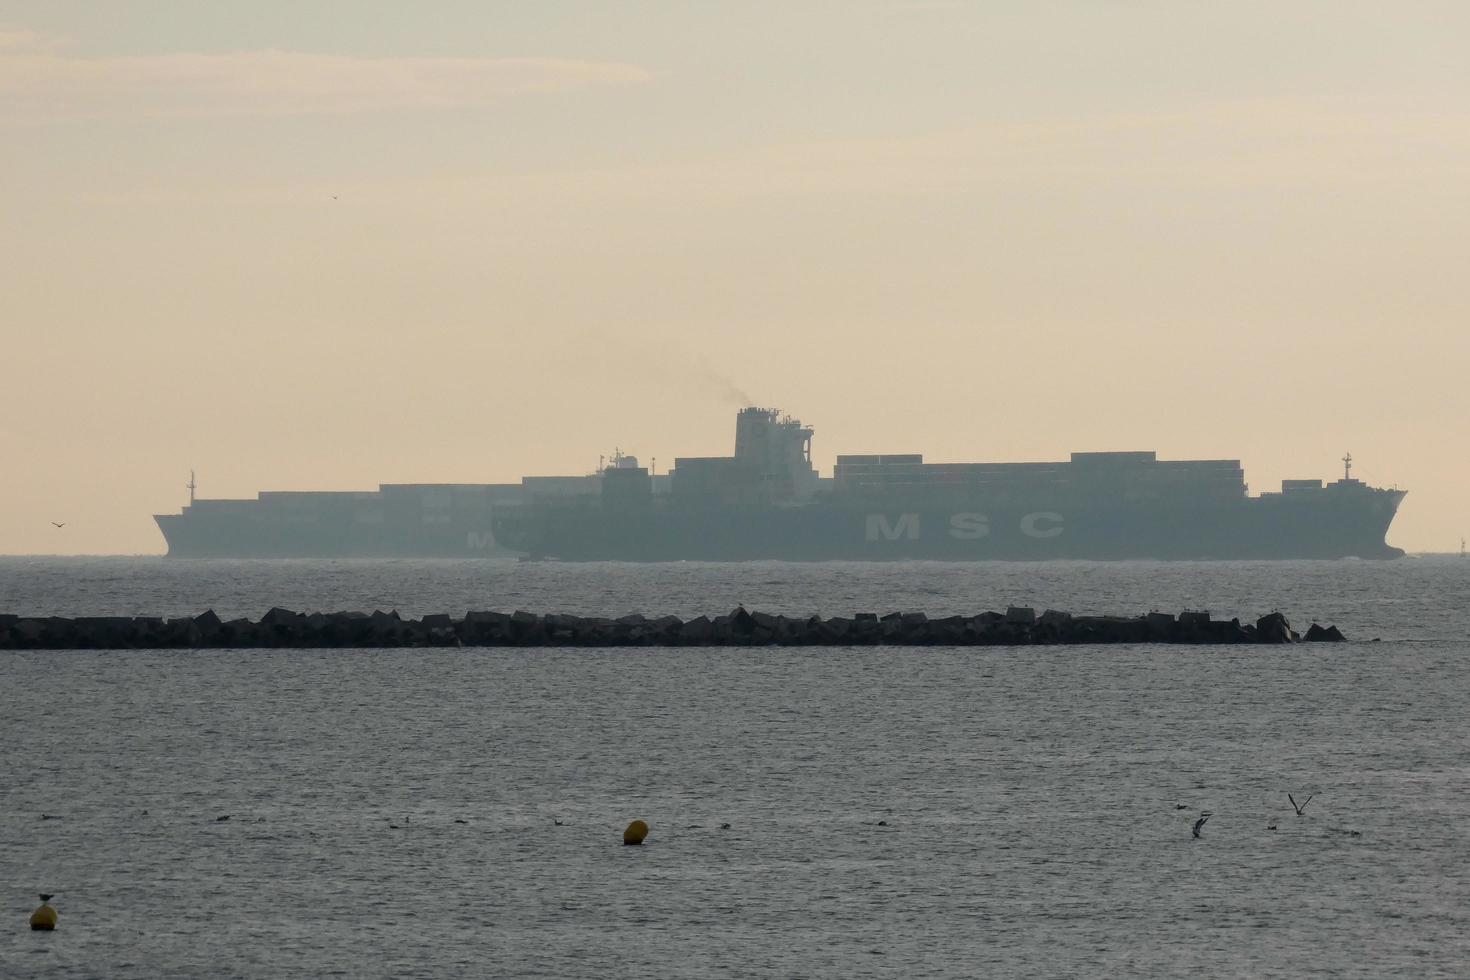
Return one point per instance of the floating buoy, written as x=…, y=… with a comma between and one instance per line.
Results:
x=637, y=830
x=44, y=918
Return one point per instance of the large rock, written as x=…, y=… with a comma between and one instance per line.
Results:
x=1021, y=615
x=1273, y=628
x=697, y=632
x=741, y=622
x=281, y=617
x=28, y=633
x=1318, y=634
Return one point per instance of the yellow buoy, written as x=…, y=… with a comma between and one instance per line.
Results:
x=44, y=918
x=637, y=830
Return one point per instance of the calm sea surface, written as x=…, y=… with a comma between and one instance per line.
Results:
x=925, y=812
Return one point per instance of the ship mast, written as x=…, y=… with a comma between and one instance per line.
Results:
x=1347, y=467
x=192, y=487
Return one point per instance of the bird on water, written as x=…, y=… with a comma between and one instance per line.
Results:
x=1299, y=807
x=1199, y=824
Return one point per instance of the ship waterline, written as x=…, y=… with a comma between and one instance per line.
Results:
x=767, y=501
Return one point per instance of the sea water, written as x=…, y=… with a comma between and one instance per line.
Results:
x=891, y=812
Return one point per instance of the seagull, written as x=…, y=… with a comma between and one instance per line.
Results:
x=62, y=524
x=1200, y=823
x=1299, y=807
x=1180, y=806
x=45, y=897
x=557, y=822
x=724, y=826
x=222, y=819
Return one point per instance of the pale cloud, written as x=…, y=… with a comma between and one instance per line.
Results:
x=1282, y=144
x=18, y=40
x=39, y=83
x=1277, y=143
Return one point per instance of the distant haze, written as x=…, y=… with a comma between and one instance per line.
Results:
x=326, y=246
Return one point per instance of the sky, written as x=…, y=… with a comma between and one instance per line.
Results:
x=313, y=245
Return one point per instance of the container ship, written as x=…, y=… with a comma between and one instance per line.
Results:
x=768, y=501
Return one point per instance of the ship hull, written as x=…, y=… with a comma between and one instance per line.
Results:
x=1252, y=528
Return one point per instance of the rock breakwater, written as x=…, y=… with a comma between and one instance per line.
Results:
x=283, y=628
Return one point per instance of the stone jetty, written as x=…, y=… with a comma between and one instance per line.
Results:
x=282, y=628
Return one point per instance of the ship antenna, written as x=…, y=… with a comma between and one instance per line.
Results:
x=192, y=487
x=1347, y=467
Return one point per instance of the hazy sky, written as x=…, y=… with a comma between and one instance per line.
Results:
x=301, y=245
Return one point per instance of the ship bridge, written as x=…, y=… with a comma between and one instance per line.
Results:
x=772, y=463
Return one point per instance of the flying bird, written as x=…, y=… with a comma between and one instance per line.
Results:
x=1299, y=807
x=1200, y=823
x=62, y=524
